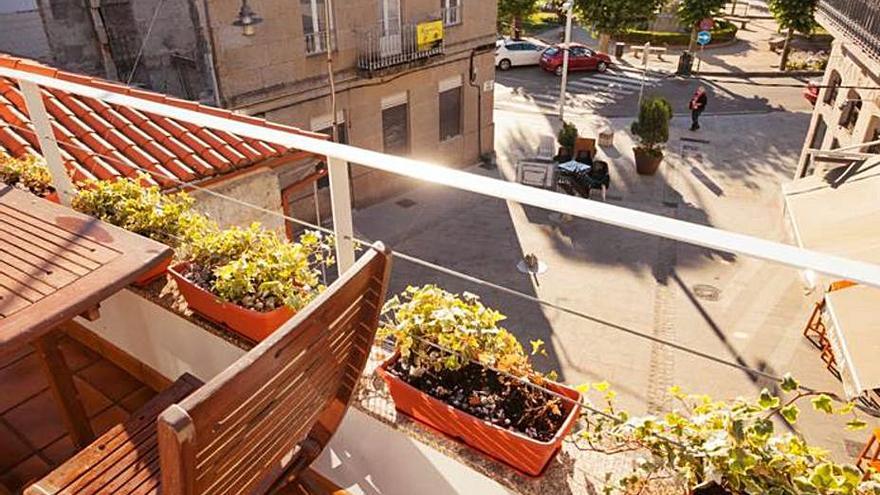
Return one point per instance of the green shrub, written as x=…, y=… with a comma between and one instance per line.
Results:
x=724, y=31
x=255, y=268
x=145, y=210
x=28, y=173
x=652, y=127
x=567, y=136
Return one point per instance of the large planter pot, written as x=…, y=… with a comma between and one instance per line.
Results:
x=710, y=488
x=513, y=448
x=53, y=197
x=647, y=163
x=255, y=325
x=156, y=272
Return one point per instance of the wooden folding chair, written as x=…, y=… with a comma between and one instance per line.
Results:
x=816, y=332
x=868, y=458
x=258, y=424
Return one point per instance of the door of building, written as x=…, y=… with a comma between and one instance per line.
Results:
x=389, y=24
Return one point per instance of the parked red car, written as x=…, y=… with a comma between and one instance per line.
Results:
x=811, y=92
x=580, y=57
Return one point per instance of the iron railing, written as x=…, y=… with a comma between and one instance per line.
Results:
x=316, y=42
x=859, y=20
x=385, y=46
x=452, y=15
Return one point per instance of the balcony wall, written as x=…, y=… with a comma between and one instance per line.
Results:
x=858, y=20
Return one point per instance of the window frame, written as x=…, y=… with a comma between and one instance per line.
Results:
x=447, y=6
x=442, y=116
x=833, y=89
x=316, y=14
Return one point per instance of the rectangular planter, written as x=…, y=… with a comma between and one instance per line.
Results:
x=156, y=272
x=513, y=448
x=255, y=325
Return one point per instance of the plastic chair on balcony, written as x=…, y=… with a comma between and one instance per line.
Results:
x=256, y=426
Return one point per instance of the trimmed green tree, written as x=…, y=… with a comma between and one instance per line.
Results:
x=793, y=16
x=512, y=12
x=691, y=12
x=613, y=17
x=652, y=127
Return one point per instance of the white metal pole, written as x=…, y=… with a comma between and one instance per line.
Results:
x=645, y=57
x=565, y=61
x=48, y=146
x=340, y=202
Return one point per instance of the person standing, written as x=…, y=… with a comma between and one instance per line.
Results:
x=697, y=105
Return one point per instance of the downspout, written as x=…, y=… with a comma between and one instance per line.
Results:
x=103, y=40
x=206, y=39
x=472, y=82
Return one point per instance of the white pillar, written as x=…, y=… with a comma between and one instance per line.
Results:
x=48, y=146
x=568, y=6
x=340, y=201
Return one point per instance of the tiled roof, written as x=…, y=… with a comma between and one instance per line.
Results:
x=102, y=141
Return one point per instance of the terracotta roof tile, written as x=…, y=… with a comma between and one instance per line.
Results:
x=99, y=140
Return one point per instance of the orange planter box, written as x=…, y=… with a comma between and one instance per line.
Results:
x=255, y=325
x=513, y=448
x=155, y=273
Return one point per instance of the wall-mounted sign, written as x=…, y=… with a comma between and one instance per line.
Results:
x=429, y=34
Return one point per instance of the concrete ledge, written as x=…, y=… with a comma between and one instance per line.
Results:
x=768, y=73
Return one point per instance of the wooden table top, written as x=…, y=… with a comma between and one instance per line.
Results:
x=56, y=263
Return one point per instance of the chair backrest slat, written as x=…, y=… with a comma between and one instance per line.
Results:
x=277, y=406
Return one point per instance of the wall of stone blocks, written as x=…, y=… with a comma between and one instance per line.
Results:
x=259, y=187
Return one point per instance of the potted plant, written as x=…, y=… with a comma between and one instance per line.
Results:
x=706, y=447
x=457, y=371
x=652, y=129
x=250, y=279
x=566, y=138
x=144, y=210
x=28, y=173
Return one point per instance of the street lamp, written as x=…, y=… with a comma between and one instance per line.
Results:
x=567, y=6
x=247, y=19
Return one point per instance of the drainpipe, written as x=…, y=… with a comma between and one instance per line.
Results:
x=103, y=39
x=472, y=81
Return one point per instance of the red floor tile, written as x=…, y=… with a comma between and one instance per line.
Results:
x=108, y=419
x=20, y=380
x=92, y=400
x=12, y=449
x=25, y=473
x=113, y=382
x=37, y=420
x=76, y=355
x=60, y=450
x=137, y=399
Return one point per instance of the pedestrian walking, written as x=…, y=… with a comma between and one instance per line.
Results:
x=697, y=105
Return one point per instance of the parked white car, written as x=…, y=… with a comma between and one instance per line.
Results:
x=511, y=53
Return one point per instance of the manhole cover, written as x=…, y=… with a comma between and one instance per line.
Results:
x=707, y=292
x=405, y=203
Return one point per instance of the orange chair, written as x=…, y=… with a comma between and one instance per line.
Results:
x=816, y=332
x=867, y=460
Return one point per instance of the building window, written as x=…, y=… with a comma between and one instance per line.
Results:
x=450, y=108
x=314, y=19
x=395, y=124
x=833, y=88
x=849, y=114
x=451, y=12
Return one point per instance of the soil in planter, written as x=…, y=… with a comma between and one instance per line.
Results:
x=500, y=400
x=204, y=278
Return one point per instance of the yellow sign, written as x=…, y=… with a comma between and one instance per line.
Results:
x=429, y=33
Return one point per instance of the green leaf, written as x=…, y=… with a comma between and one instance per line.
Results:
x=789, y=384
x=767, y=400
x=790, y=413
x=602, y=386
x=538, y=347
x=856, y=424
x=823, y=403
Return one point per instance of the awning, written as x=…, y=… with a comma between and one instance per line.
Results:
x=854, y=333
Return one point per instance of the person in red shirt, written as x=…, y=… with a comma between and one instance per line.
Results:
x=697, y=105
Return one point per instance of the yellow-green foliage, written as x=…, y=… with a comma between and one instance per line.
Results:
x=29, y=173
x=255, y=268
x=426, y=320
x=127, y=203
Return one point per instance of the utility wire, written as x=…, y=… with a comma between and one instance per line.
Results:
x=140, y=52
x=469, y=278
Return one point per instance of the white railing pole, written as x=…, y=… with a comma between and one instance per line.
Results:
x=340, y=202
x=48, y=146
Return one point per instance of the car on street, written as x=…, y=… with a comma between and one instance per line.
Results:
x=580, y=57
x=811, y=92
x=513, y=53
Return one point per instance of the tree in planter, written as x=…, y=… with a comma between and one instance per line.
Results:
x=567, y=137
x=691, y=12
x=613, y=17
x=29, y=173
x=712, y=446
x=652, y=128
x=512, y=12
x=793, y=16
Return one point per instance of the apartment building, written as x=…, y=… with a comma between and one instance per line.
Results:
x=411, y=77
x=847, y=112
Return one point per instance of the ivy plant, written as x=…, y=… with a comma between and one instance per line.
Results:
x=29, y=173
x=427, y=322
x=257, y=269
x=734, y=445
x=142, y=209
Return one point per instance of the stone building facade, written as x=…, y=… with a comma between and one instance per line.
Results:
x=847, y=111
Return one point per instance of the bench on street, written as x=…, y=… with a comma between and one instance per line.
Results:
x=656, y=50
x=743, y=21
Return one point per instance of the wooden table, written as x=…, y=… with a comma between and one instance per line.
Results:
x=56, y=264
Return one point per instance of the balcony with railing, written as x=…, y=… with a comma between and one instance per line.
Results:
x=391, y=44
x=859, y=20
x=310, y=403
x=316, y=42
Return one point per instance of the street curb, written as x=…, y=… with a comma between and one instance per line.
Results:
x=771, y=74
